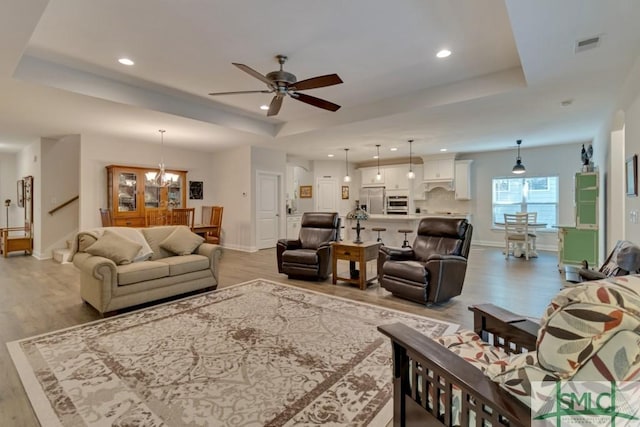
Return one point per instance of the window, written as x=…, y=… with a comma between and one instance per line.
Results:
x=539, y=194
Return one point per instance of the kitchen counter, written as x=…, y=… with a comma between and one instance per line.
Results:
x=393, y=223
x=413, y=217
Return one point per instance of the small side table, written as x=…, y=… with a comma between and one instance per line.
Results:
x=354, y=252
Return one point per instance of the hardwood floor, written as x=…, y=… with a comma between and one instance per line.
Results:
x=42, y=296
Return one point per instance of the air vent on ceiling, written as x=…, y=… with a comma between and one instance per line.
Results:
x=588, y=43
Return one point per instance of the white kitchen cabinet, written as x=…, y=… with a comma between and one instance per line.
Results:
x=395, y=177
x=417, y=184
x=368, y=177
x=293, y=226
x=462, y=180
x=438, y=169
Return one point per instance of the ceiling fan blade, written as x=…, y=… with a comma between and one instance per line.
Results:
x=316, y=102
x=274, y=107
x=315, y=82
x=254, y=73
x=241, y=91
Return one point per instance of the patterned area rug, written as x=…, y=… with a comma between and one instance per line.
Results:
x=258, y=353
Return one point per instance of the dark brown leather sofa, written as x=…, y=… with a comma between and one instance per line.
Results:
x=310, y=255
x=433, y=270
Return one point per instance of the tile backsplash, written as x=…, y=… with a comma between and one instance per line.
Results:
x=440, y=200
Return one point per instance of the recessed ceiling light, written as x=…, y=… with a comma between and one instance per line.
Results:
x=329, y=155
x=264, y=107
x=393, y=149
x=443, y=53
x=443, y=149
x=126, y=61
x=375, y=157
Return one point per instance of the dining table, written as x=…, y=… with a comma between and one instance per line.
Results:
x=203, y=229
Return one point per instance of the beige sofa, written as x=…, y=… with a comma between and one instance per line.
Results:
x=110, y=285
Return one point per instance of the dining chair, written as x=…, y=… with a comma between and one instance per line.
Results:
x=532, y=218
x=516, y=233
x=215, y=219
x=182, y=216
x=156, y=216
x=105, y=216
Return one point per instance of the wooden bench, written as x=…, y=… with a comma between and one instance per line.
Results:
x=16, y=239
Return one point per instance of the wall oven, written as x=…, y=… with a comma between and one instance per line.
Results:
x=397, y=205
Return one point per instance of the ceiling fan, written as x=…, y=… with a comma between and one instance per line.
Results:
x=283, y=83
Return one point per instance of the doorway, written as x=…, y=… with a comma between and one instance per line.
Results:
x=268, y=215
x=327, y=195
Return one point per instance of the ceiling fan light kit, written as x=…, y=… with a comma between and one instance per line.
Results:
x=282, y=83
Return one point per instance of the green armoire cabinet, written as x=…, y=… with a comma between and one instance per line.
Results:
x=580, y=242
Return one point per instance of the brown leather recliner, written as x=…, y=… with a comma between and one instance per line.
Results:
x=433, y=270
x=310, y=255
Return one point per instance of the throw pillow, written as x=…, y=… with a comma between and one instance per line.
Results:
x=135, y=235
x=182, y=241
x=117, y=248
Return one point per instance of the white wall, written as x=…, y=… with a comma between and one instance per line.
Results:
x=28, y=162
x=60, y=173
x=231, y=187
x=631, y=147
x=98, y=151
x=615, y=197
x=561, y=160
x=8, y=179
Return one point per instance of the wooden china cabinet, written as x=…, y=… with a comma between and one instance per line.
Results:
x=130, y=190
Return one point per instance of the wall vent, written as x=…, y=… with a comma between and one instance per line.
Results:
x=588, y=43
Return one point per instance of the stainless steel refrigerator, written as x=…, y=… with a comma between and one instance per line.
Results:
x=373, y=198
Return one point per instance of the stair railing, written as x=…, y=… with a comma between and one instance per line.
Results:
x=57, y=208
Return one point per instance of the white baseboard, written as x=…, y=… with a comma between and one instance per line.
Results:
x=240, y=248
x=550, y=248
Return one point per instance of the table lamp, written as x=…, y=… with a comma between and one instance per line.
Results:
x=358, y=214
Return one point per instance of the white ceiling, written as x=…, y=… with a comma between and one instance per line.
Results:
x=513, y=62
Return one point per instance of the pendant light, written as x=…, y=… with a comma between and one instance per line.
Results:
x=410, y=174
x=519, y=167
x=379, y=175
x=161, y=176
x=347, y=178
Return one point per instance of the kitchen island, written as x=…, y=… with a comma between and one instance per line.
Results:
x=393, y=223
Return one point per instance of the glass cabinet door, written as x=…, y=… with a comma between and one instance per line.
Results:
x=127, y=190
x=152, y=194
x=174, y=190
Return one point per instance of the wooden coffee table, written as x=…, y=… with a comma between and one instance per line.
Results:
x=354, y=252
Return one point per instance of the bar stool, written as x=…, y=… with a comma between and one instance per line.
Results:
x=405, y=243
x=378, y=229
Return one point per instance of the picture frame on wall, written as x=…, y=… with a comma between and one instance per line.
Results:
x=631, y=173
x=196, y=190
x=306, y=191
x=345, y=192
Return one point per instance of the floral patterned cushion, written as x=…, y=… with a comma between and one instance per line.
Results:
x=590, y=332
x=617, y=360
x=580, y=320
x=515, y=374
x=468, y=345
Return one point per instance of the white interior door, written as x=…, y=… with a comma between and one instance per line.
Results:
x=327, y=200
x=267, y=209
